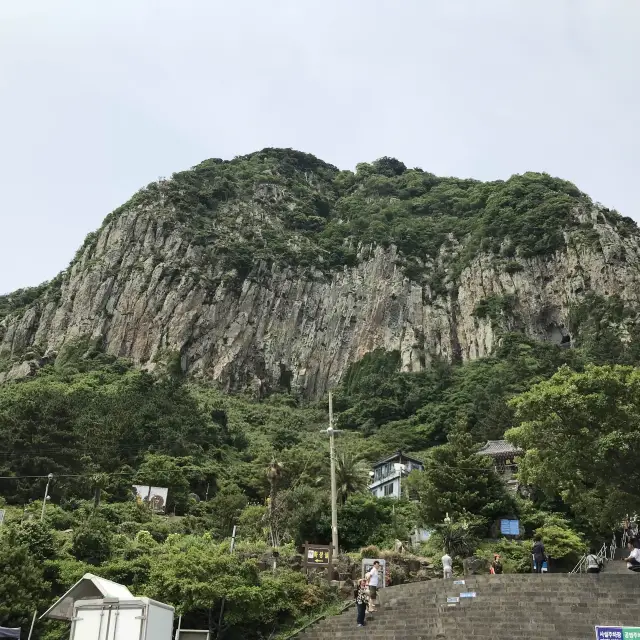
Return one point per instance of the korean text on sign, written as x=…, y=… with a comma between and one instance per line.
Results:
x=615, y=633
x=319, y=557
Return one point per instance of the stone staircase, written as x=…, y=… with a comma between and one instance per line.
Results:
x=513, y=607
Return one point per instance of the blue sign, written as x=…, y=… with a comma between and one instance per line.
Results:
x=468, y=594
x=617, y=633
x=609, y=633
x=509, y=527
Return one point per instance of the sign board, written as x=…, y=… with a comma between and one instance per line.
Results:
x=318, y=557
x=618, y=633
x=367, y=565
x=468, y=594
x=155, y=497
x=459, y=582
x=509, y=527
x=453, y=599
x=2, y=512
x=5, y=632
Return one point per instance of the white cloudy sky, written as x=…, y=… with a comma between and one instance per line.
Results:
x=100, y=98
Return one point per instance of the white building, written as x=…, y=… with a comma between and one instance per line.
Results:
x=387, y=474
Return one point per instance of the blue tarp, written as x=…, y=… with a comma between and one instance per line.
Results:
x=9, y=633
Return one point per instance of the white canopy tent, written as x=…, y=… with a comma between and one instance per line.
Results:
x=89, y=587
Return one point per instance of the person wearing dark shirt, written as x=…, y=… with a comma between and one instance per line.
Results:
x=362, y=599
x=539, y=555
x=496, y=565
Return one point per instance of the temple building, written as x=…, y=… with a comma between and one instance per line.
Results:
x=504, y=456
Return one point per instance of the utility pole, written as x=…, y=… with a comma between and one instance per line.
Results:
x=44, y=506
x=399, y=467
x=334, y=491
x=33, y=623
x=231, y=548
x=46, y=496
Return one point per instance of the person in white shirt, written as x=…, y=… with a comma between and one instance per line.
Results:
x=447, y=566
x=633, y=559
x=593, y=563
x=373, y=577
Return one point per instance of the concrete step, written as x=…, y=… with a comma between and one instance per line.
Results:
x=522, y=607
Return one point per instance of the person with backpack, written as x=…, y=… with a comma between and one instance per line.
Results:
x=496, y=565
x=593, y=562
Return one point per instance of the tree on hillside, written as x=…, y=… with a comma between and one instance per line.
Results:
x=196, y=574
x=22, y=585
x=352, y=475
x=581, y=433
x=458, y=482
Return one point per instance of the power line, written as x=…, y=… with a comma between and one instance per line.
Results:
x=88, y=475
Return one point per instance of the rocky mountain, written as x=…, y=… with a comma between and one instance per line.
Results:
x=277, y=270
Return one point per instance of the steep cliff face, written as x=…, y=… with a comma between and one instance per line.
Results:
x=145, y=285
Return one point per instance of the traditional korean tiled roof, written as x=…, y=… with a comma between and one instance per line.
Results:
x=499, y=448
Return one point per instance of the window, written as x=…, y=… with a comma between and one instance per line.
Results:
x=388, y=489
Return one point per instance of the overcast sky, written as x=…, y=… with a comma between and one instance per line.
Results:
x=98, y=98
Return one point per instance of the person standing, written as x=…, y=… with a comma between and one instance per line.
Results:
x=362, y=600
x=496, y=565
x=374, y=577
x=539, y=555
x=447, y=566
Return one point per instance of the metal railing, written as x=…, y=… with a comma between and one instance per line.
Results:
x=625, y=538
x=613, y=547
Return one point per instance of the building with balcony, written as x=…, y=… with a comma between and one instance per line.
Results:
x=387, y=474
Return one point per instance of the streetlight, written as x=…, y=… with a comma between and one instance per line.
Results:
x=334, y=491
x=46, y=496
x=400, y=468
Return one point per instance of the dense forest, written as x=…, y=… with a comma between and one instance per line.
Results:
x=100, y=425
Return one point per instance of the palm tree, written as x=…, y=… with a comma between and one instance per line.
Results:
x=352, y=475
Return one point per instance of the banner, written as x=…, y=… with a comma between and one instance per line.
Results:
x=155, y=497
x=9, y=633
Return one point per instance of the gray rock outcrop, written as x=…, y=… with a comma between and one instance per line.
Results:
x=141, y=289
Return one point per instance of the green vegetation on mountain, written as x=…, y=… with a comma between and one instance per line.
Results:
x=581, y=431
x=100, y=425
x=285, y=207
x=313, y=215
